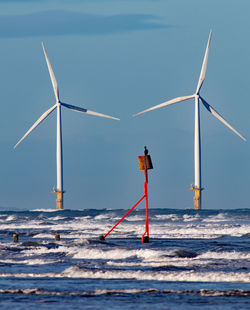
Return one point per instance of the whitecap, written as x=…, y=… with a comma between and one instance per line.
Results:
x=190, y=276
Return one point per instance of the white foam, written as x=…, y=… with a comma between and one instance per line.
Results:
x=198, y=231
x=161, y=226
x=86, y=252
x=57, y=218
x=135, y=218
x=44, y=236
x=34, y=251
x=186, y=262
x=10, y=218
x=172, y=217
x=103, y=216
x=188, y=218
x=44, y=210
x=184, y=276
x=226, y=255
x=51, y=236
x=118, y=254
x=221, y=217
x=190, y=276
x=29, y=261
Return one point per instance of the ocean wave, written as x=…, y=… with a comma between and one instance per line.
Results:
x=30, y=262
x=45, y=210
x=118, y=254
x=171, y=276
x=171, y=217
x=190, y=276
x=226, y=255
x=221, y=217
x=152, y=291
x=188, y=218
x=198, y=254
x=162, y=226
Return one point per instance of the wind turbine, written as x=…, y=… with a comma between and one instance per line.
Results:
x=197, y=187
x=59, y=189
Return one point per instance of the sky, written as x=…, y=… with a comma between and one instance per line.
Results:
x=119, y=57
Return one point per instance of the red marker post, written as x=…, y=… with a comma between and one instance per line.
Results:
x=145, y=164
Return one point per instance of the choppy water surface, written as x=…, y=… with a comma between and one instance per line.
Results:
x=194, y=260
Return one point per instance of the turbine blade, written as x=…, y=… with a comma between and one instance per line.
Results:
x=164, y=104
x=41, y=118
x=220, y=118
x=204, y=65
x=51, y=73
x=86, y=111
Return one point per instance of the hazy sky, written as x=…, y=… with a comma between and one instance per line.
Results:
x=119, y=57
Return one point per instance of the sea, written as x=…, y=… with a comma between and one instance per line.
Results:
x=194, y=260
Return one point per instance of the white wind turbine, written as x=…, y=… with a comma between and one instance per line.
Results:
x=197, y=188
x=59, y=190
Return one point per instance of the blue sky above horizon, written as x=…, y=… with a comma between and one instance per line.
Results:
x=119, y=57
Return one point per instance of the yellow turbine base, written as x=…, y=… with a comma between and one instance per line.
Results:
x=59, y=200
x=197, y=197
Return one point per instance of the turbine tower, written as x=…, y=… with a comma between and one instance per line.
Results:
x=197, y=187
x=59, y=189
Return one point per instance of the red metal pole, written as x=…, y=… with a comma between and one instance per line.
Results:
x=124, y=216
x=146, y=195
